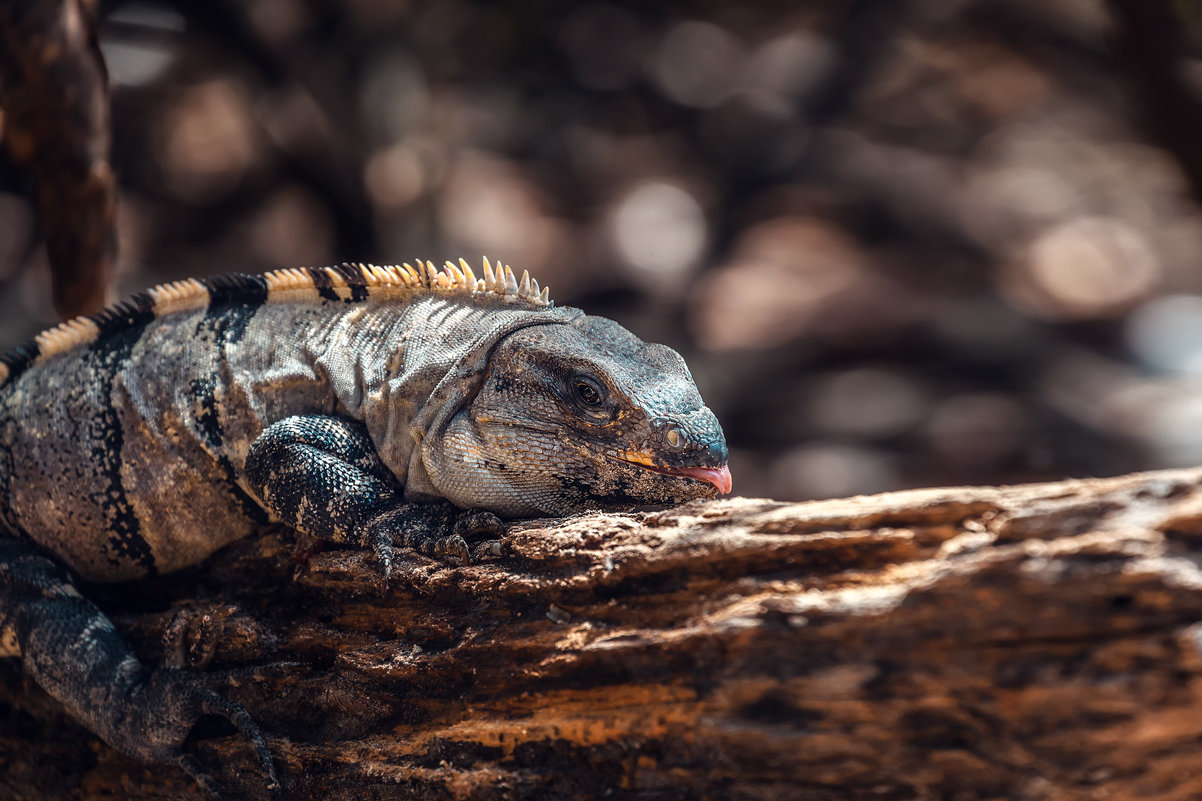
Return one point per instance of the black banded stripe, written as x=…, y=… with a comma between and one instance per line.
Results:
x=18, y=359
x=135, y=312
x=352, y=274
x=323, y=283
x=122, y=327
x=237, y=288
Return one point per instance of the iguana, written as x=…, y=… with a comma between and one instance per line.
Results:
x=380, y=407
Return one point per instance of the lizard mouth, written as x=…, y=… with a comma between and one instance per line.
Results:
x=719, y=477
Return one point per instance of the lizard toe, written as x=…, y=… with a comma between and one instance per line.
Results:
x=190, y=638
x=484, y=529
x=478, y=524
x=453, y=547
x=188, y=764
x=213, y=704
x=381, y=546
x=486, y=550
x=438, y=530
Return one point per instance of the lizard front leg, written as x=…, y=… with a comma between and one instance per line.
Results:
x=321, y=474
x=76, y=655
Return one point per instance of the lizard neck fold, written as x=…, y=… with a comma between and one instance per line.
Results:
x=405, y=371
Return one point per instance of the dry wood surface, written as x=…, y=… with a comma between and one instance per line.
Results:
x=1028, y=642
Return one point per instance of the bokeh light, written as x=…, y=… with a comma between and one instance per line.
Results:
x=660, y=233
x=898, y=244
x=1166, y=333
x=697, y=64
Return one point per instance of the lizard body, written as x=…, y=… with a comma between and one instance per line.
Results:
x=375, y=406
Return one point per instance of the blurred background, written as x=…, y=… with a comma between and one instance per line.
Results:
x=900, y=242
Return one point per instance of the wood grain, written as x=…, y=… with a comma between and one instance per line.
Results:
x=1035, y=641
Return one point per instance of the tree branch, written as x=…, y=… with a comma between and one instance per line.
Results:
x=54, y=92
x=1150, y=45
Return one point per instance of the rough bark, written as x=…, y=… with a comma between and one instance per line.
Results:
x=1027, y=642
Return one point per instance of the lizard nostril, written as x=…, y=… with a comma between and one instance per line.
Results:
x=674, y=438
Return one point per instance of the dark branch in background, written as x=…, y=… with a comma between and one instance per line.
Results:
x=864, y=34
x=54, y=92
x=1148, y=41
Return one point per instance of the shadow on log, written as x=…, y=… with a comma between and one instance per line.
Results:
x=1027, y=642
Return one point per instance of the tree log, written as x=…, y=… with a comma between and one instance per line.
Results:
x=1023, y=642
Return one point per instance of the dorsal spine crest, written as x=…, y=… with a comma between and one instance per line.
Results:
x=347, y=282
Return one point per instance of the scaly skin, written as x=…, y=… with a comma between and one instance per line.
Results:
x=570, y=416
x=382, y=408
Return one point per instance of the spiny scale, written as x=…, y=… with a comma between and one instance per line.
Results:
x=354, y=282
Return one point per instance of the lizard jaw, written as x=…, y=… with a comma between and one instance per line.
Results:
x=719, y=477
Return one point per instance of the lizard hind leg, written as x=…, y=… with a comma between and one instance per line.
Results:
x=75, y=654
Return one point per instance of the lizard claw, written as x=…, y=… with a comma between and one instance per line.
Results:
x=213, y=704
x=381, y=546
x=473, y=524
x=478, y=523
x=454, y=547
x=189, y=765
x=487, y=549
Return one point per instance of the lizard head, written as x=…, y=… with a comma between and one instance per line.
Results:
x=586, y=414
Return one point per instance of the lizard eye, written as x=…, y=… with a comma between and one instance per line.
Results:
x=588, y=392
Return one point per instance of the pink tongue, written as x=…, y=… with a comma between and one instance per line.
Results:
x=718, y=476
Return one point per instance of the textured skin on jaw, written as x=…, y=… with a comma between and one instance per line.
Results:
x=539, y=453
